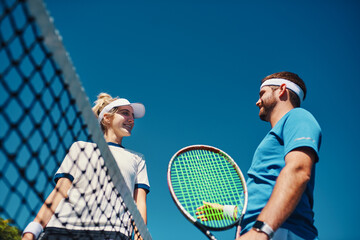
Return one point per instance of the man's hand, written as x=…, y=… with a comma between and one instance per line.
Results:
x=210, y=212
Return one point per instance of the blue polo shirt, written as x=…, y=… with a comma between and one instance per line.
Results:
x=297, y=128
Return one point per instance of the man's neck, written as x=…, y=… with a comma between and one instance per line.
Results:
x=279, y=111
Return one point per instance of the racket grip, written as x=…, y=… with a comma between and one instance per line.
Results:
x=205, y=231
x=238, y=231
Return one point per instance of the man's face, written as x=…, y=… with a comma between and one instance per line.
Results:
x=266, y=103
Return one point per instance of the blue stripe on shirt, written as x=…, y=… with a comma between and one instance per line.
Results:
x=143, y=186
x=115, y=144
x=63, y=175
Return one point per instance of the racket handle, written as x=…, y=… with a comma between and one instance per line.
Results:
x=238, y=227
x=238, y=230
x=205, y=231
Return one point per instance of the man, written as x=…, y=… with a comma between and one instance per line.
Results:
x=281, y=177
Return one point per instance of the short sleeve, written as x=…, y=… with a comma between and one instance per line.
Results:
x=142, y=180
x=301, y=130
x=69, y=166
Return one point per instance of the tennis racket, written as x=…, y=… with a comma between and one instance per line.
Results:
x=200, y=173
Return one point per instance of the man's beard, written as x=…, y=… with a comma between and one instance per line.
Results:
x=266, y=108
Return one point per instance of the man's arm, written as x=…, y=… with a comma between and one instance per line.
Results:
x=289, y=187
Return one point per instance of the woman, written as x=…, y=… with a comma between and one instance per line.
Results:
x=84, y=203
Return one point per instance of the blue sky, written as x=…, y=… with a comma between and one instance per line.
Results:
x=196, y=65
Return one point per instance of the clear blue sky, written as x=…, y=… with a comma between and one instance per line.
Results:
x=196, y=65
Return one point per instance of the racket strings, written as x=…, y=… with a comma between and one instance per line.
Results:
x=202, y=175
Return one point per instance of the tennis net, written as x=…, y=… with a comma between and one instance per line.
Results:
x=43, y=112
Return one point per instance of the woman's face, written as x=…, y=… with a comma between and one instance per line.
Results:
x=123, y=121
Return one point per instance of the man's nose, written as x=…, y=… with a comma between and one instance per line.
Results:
x=258, y=102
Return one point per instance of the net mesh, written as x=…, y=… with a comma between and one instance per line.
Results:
x=201, y=175
x=45, y=116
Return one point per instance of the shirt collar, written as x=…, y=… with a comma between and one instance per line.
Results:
x=115, y=144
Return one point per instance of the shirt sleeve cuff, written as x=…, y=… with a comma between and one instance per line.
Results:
x=143, y=186
x=63, y=175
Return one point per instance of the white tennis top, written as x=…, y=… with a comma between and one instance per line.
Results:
x=93, y=202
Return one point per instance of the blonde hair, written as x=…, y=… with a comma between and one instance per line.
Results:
x=103, y=99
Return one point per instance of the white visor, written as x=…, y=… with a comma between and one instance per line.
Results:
x=139, y=108
x=289, y=85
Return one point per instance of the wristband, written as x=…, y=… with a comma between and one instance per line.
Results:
x=35, y=228
x=229, y=211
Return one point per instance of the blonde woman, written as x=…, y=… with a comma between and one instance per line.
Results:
x=84, y=203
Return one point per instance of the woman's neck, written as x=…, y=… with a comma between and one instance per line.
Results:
x=111, y=137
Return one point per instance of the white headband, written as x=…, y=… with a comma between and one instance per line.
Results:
x=139, y=109
x=290, y=85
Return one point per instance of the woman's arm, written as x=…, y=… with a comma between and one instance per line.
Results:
x=140, y=200
x=48, y=208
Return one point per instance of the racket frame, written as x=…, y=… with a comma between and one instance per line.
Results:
x=205, y=229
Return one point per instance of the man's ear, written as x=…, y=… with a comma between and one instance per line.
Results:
x=282, y=90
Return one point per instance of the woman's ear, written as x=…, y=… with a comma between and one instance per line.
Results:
x=107, y=118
